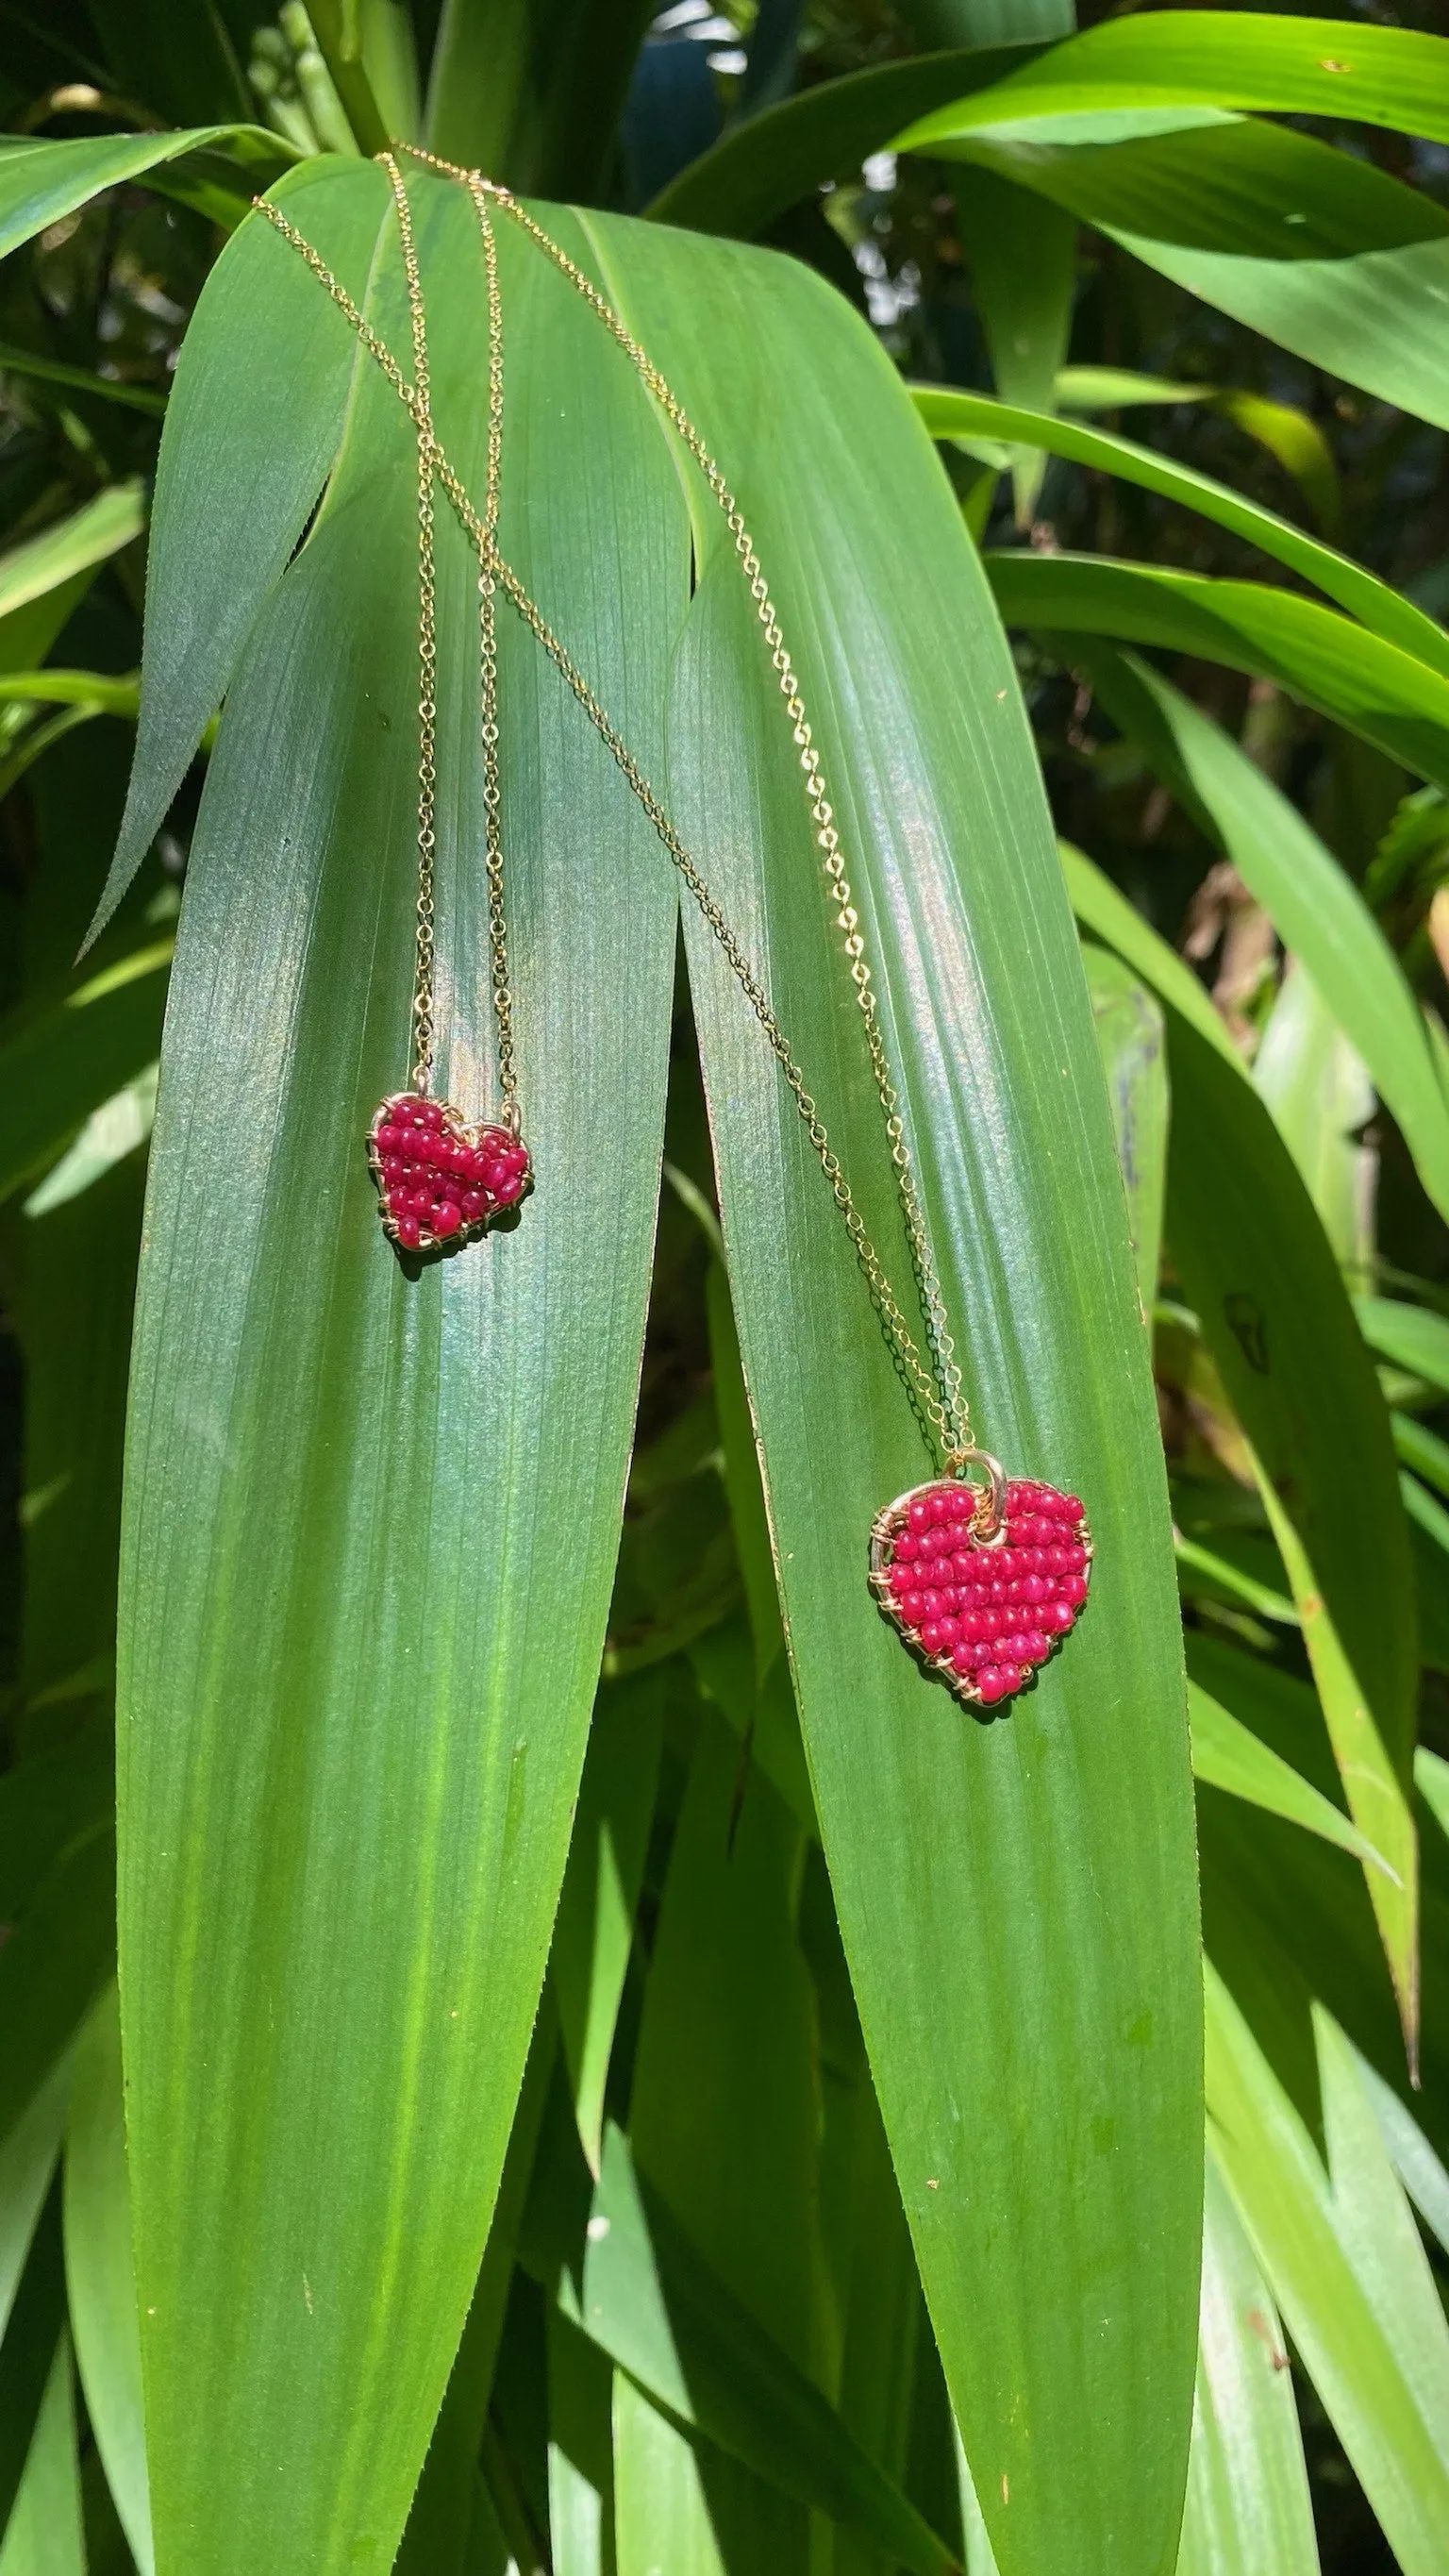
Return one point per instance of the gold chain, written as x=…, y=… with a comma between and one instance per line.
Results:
x=940, y=1399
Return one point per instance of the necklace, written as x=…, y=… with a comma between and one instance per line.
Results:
x=981, y=1579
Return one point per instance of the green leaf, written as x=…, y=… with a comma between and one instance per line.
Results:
x=1290, y=434
x=45, y=2535
x=948, y=414
x=594, y=1931
x=1317, y=1086
x=1419, y=2169
x=40, y=182
x=1315, y=2245
x=373, y=1520
x=1413, y=1337
x=233, y=385
x=51, y=371
x=1023, y=261
x=1276, y=1316
x=1356, y=678
x=650, y=2300
x=1228, y=58
x=531, y=91
x=1130, y=1037
x=66, y=1062
x=1228, y=1755
x=1315, y=248
x=969, y=1907
x=42, y=579
x=759, y=168
x=1313, y=903
x=1248, y=2506
x=100, y=2276
x=723, y=2109
x=28, y=2157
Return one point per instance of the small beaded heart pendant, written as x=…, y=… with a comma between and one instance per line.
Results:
x=440, y=1181
x=982, y=1582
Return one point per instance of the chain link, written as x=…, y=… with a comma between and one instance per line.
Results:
x=937, y=1393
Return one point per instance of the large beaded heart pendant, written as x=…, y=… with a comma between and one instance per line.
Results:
x=439, y=1181
x=983, y=1582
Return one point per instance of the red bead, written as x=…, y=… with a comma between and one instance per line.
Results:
x=1074, y=1588
x=989, y=1682
x=408, y=1231
x=913, y=1609
x=1033, y=1588
x=429, y=1113
x=474, y=1205
x=447, y=1218
x=903, y=1578
x=932, y=1604
x=963, y=1657
x=907, y=1546
x=933, y=1636
x=516, y=1158
x=1073, y=1509
x=509, y=1189
x=938, y=1508
x=1055, y=1617
x=1038, y=1648
x=918, y=1515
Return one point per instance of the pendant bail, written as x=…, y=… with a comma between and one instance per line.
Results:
x=990, y=1519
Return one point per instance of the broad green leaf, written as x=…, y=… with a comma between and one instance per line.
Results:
x=234, y=384
x=1413, y=1337
x=1248, y=2506
x=45, y=2535
x=1421, y=1449
x=51, y=371
x=1357, y=678
x=722, y=2109
x=1218, y=58
x=1317, y=1085
x=649, y=2300
x=759, y=168
x=973, y=1920
x=42, y=579
x=1275, y=1314
x=100, y=2275
x=348, y=1766
x=581, y=2453
x=62, y=1065
x=221, y=166
x=34, y=2334
x=742, y=1480
x=1419, y=2169
x=1023, y=260
x=1210, y=1573
x=1313, y=903
x=1290, y=434
x=1431, y=1776
x=594, y=1930
x=948, y=414
x=1295, y=2224
x=1376, y=2228
x=28, y=2159
x=661, y=2518
x=531, y=91
x=1228, y=1755
x=1228, y=58
x=1130, y=1036
x=442, y=2515
x=1315, y=248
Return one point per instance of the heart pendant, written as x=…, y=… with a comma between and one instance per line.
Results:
x=983, y=1582
x=440, y=1181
